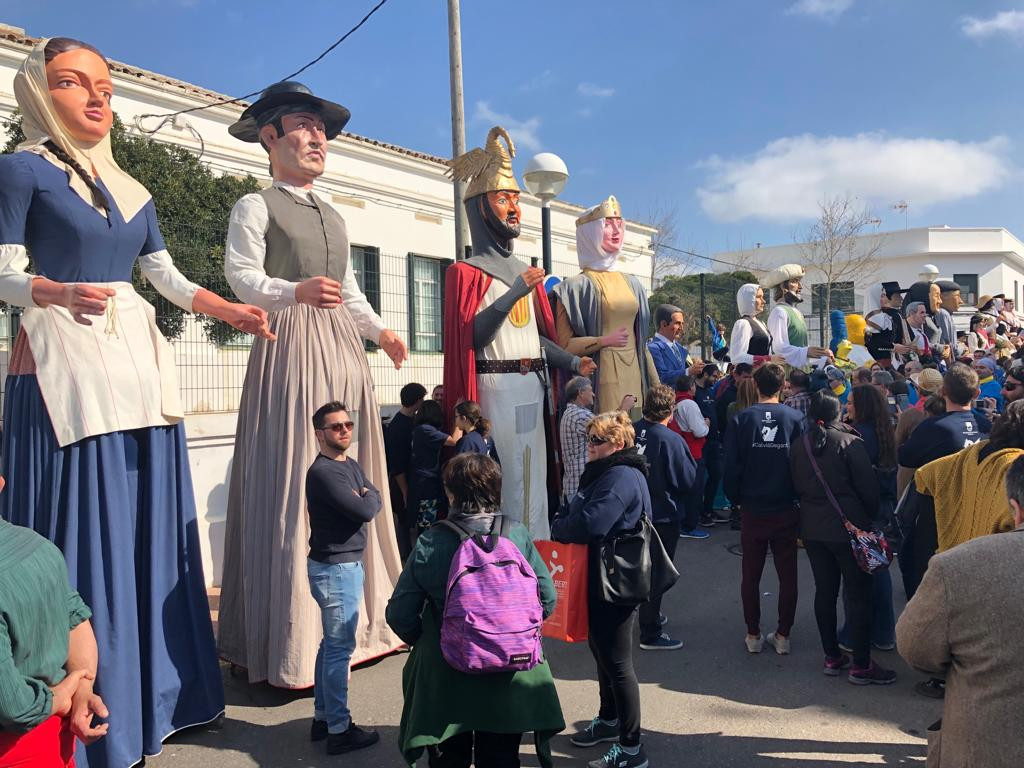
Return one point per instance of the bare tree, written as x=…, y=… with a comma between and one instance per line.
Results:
x=839, y=247
x=666, y=258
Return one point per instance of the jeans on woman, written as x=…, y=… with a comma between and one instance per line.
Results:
x=611, y=642
x=831, y=564
x=883, y=617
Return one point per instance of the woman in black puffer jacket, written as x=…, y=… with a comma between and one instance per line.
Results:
x=611, y=498
x=844, y=463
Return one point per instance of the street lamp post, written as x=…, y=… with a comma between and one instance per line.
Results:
x=545, y=177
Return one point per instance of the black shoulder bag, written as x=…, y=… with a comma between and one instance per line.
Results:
x=634, y=565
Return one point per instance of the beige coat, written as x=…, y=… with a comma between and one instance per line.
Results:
x=965, y=623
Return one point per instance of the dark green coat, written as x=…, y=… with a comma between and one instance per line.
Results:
x=441, y=702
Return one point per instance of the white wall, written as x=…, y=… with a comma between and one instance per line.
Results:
x=994, y=254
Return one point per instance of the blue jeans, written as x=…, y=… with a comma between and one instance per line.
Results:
x=338, y=590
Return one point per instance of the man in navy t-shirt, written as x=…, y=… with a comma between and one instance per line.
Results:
x=954, y=430
x=932, y=439
x=757, y=478
x=398, y=449
x=671, y=474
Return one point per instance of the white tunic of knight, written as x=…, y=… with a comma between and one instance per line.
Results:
x=514, y=404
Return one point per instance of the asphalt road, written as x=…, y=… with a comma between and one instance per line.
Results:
x=709, y=704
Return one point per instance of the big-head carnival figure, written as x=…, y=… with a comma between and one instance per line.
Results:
x=604, y=313
x=786, y=323
x=288, y=252
x=499, y=334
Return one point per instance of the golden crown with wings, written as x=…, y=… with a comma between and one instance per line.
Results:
x=490, y=168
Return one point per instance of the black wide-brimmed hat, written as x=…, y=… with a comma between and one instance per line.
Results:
x=892, y=288
x=287, y=93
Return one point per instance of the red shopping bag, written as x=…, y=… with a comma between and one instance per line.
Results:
x=567, y=564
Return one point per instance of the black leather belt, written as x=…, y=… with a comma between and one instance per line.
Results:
x=524, y=366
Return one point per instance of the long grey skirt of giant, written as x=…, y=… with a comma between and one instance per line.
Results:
x=269, y=622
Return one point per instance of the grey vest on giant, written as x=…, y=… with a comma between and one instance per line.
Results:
x=304, y=239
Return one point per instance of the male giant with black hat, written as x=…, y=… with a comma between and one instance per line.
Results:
x=886, y=334
x=498, y=330
x=786, y=323
x=288, y=252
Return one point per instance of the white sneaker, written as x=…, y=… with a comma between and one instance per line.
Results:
x=755, y=644
x=779, y=642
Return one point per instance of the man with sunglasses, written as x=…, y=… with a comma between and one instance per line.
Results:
x=1013, y=386
x=341, y=501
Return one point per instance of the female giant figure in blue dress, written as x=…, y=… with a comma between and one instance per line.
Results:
x=93, y=437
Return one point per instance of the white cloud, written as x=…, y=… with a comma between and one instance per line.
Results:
x=523, y=132
x=597, y=91
x=828, y=10
x=785, y=180
x=1009, y=23
x=538, y=82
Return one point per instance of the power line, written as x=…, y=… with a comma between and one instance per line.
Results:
x=702, y=256
x=339, y=41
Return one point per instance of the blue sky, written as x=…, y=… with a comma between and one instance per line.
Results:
x=739, y=116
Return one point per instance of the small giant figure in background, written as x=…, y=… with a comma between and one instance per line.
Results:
x=786, y=323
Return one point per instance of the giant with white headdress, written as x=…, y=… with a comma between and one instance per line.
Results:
x=603, y=313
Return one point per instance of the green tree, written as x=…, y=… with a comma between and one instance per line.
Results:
x=720, y=299
x=192, y=205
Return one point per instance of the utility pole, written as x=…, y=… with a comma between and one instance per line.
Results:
x=458, y=121
x=703, y=321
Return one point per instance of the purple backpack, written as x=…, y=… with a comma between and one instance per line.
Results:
x=492, y=610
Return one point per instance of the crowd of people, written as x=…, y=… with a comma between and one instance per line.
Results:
x=558, y=419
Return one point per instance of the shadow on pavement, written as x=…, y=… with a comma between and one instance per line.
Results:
x=718, y=750
x=705, y=611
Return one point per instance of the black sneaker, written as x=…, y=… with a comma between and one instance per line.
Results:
x=318, y=730
x=707, y=521
x=871, y=675
x=661, y=643
x=933, y=689
x=722, y=516
x=352, y=739
x=596, y=732
x=617, y=758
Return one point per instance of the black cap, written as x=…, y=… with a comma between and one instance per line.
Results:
x=285, y=93
x=947, y=286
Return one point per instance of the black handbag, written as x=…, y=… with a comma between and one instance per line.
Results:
x=634, y=565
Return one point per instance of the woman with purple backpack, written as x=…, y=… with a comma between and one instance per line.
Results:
x=612, y=497
x=477, y=716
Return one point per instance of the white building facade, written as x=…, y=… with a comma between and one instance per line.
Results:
x=982, y=260
x=398, y=206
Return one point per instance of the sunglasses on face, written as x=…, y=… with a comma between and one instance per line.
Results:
x=595, y=440
x=339, y=426
x=1009, y=386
